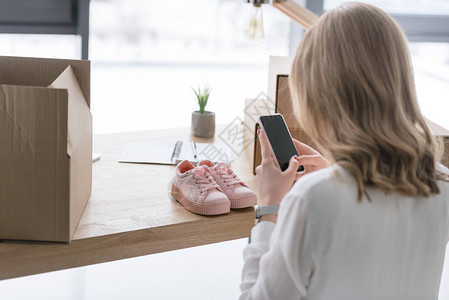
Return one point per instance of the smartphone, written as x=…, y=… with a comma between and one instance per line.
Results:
x=280, y=139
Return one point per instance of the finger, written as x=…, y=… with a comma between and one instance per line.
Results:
x=304, y=149
x=258, y=168
x=299, y=175
x=265, y=147
x=311, y=160
x=293, y=165
x=273, y=158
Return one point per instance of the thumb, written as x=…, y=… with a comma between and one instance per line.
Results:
x=293, y=166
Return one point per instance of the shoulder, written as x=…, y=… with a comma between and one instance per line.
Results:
x=324, y=188
x=325, y=182
x=318, y=201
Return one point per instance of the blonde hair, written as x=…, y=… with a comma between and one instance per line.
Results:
x=353, y=88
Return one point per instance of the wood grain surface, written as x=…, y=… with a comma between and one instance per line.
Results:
x=129, y=214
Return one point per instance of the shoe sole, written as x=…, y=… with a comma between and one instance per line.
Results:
x=243, y=202
x=208, y=210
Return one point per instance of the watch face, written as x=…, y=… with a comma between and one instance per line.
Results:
x=265, y=210
x=257, y=214
x=257, y=208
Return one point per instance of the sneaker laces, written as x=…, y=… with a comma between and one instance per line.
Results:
x=204, y=179
x=228, y=176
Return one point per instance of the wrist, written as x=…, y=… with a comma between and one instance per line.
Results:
x=269, y=201
x=268, y=218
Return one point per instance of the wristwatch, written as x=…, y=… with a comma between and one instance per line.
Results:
x=265, y=210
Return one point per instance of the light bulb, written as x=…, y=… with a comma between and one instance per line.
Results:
x=255, y=31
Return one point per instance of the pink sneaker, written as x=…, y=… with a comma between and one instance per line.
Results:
x=237, y=191
x=197, y=191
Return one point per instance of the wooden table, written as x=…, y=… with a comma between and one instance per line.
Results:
x=130, y=214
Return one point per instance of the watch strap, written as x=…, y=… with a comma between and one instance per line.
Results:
x=266, y=210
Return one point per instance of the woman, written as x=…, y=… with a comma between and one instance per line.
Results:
x=373, y=221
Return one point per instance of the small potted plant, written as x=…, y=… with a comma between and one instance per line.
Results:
x=203, y=121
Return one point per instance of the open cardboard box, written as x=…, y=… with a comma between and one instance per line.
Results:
x=45, y=147
x=278, y=90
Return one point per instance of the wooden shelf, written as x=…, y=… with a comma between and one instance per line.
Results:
x=129, y=214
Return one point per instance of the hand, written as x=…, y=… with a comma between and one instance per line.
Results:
x=273, y=183
x=311, y=159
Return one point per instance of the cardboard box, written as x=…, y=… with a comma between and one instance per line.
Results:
x=263, y=105
x=45, y=147
x=282, y=94
x=284, y=106
x=253, y=109
x=443, y=133
x=278, y=89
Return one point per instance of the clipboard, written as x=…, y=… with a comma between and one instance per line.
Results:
x=173, y=152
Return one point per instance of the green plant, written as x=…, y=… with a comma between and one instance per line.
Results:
x=202, y=97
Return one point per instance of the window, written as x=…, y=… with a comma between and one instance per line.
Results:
x=434, y=7
x=41, y=45
x=148, y=54
x=426, y=24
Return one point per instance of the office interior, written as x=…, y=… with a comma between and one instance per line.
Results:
x=145, y=58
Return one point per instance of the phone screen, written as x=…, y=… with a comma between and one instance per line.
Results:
x=280, y=139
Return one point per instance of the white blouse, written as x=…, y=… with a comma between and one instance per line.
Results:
x=328, y=246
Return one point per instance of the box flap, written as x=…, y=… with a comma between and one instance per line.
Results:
x=79, y=117
x=30, y=71
x=277, y=65
x=284, y=104
x=26, y=112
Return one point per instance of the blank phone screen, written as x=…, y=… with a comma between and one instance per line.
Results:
x=280, y=139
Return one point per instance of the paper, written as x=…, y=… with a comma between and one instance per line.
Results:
x=215, y=152
x=167, y=153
